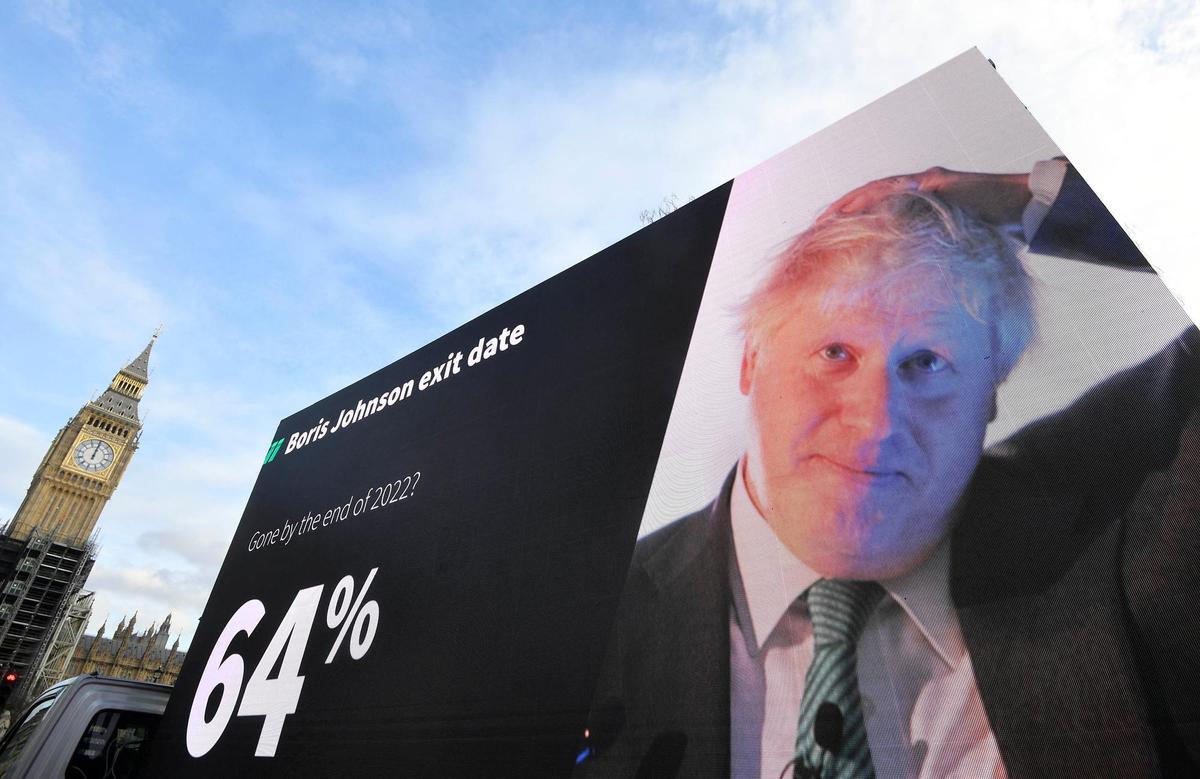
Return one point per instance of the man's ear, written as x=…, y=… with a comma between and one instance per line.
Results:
x=749, y=357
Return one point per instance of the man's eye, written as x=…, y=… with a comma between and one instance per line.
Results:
x=835, y=352
x=927, y=362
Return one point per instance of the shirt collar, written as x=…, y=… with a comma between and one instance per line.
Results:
x=772, y=578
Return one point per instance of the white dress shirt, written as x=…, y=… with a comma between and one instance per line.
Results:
x=923, y=714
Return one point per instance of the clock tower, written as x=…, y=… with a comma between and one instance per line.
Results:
x=86, y=461
x=47, y=549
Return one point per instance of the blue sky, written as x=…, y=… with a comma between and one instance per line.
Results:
x=302, y=193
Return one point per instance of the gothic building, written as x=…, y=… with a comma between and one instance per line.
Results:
x=142, y=656
x=48, y=547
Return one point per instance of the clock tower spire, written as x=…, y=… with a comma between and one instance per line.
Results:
x=87, y=459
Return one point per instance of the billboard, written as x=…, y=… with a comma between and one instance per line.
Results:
x=877, y=459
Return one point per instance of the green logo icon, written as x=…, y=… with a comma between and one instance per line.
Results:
x=274, y=450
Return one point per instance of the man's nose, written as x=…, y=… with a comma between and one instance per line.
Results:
x=868, y=403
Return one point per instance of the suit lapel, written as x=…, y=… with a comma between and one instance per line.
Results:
x=1034, y=577
x=691, y=579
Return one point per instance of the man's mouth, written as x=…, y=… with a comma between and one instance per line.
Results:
x=866, y=473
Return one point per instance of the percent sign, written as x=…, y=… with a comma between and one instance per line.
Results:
x=364, y=616
x=275, y=698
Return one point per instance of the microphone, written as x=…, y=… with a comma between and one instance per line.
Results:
x=664, y=757
x=828, y=727
x=828, y=732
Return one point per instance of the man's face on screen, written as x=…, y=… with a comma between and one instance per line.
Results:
x=868, y=410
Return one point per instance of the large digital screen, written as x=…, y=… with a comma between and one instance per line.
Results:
x=880, y=459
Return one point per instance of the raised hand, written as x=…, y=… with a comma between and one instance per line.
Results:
x=999, y=198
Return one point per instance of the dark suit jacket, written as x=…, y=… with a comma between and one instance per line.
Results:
x=1076, y=587
x=1075, y=572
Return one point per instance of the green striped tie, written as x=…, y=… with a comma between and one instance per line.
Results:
x=839, y=609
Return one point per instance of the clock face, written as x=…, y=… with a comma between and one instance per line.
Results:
x=93, y=455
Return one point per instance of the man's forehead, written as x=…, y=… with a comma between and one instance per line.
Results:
x=925, y=293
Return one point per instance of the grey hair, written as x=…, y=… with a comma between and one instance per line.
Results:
x=977, y=262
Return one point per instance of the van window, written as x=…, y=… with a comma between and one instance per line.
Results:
x=112, y=745
x=19, y=735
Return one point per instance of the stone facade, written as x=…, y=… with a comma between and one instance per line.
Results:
x=141, y=656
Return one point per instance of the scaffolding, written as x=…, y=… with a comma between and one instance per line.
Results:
x=40, y=577
x=62, y=646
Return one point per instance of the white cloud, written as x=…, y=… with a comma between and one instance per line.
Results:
x=118, y=54
x=200, y=547
x=62, y=269
x=83, y=291
x=61, y=17
x=23, y=446
x=549, y=165
x=156, y=586
x=152, y=593
x=340, y=45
